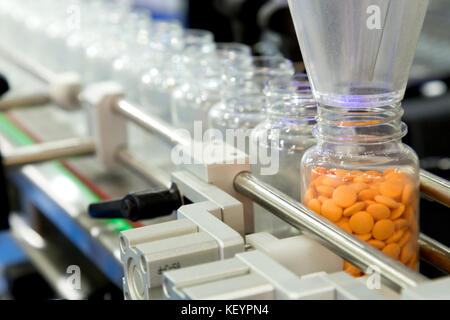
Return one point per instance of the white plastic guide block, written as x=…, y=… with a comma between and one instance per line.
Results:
x=300, y=254
x=196, y=237
x=64, y=90
x=254, y=275
x=432, y=290
x=106, y=126
x=197, y=190
x=218, y=164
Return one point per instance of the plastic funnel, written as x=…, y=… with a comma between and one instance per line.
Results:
x=358, y=52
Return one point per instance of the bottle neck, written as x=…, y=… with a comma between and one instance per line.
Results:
x=362, y=126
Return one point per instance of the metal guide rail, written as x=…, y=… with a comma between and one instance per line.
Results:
x=350, y=248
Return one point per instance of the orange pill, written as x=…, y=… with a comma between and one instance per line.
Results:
x=325, y=191
x=315, y=205
x=377, y=244
x=409, y=215
x=322, y=199
x=332, y=181
x=404, y=239
x=359, y=186
x=408, y=193
x=358, y=206
x=387, y=171
x=391, y=188
x=373, y=173
x=391, y=203
x=396, y=175
x=367, y=194
x=412, y=263
x=361, y=222
x=378, y=211
x=369, y=202
x=351, y=269
x=392, y=250
x=363, y=179
x=331, y=210
x=383, y=229
x=345, y=224
x=364, y=237
x=318, y=181
x=406, y=253
x=318, y=172
x=309, y=194
x=397, y=213
x=396, y=236
x=400, y=224
x=344, y=196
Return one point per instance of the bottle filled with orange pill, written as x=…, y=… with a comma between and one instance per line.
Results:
x=361, y=177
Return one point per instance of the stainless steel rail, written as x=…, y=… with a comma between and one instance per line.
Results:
x=339, y=241
x=23, y=102
x=27, y=64
x=434, y=252
x=435, y=187
x=48, y=151
x=350, y=248
x=150, y=123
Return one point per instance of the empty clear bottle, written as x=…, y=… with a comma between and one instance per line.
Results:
x=279, y=142
x=203, y=84
x=242, y=107
x=158, y=83
x=135, y=59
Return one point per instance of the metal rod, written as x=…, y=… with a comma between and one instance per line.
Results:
x=150, y=123
x=27, y=64
x=435, y=187
x=47, y=151
x=357, y=252
x=21, y=102
x=431, y=185
x=152, y=174
x=434, y=252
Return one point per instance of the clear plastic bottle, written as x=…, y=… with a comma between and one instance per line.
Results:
x=279, y=143
x=242, y=107
x=203, y=84
x=159, y=82
x=166, y=40
x=126, y=70
x=363, y=178
x=104, y=47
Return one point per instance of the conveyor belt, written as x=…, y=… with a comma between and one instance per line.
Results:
x=62, y=190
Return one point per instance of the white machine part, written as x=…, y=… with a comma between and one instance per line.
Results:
x=212, y=163
x=105, y=125
x=65, y=89
x=432, y=290
x=300, y=254
x=197, y=236
x=254, y=275
x=218, y=164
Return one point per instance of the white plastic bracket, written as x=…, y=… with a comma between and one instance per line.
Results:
x=196, y=237
x=219, y=164
x=106, y=126
x=65, y=89
x=254, y=275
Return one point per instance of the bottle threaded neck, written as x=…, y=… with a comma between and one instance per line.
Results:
x=362, y=125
